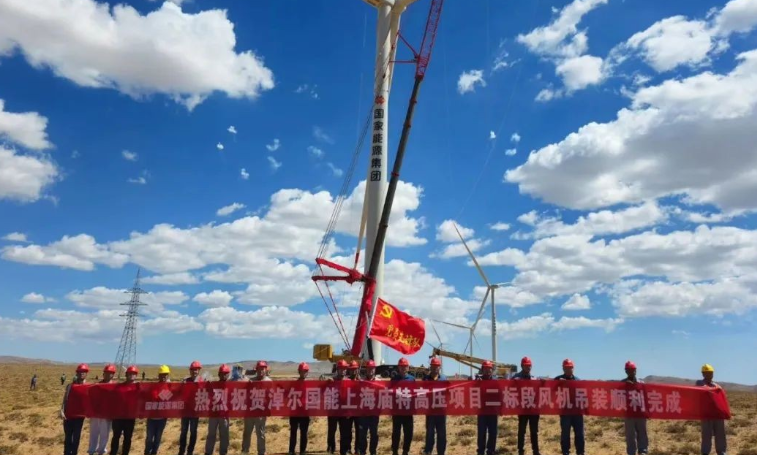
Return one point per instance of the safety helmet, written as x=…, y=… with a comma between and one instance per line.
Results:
x=370, y=364
x=567, y=363
x=303, y=367
x=403, y=362
x=526, y=361
x=224, y=369
x=196, y=365
x=487, y=364
x=341, y=365
x=132, y=370
x=353, y=365
x=109, y=368
x=82, y=368
x=164, y=369
x=630, y=365
x=707, y=368
x=261, y=364
x=436, y=362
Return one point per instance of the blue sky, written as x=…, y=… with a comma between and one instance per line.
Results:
x=598, y=154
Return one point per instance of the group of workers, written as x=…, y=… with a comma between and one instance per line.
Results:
x=364, y=428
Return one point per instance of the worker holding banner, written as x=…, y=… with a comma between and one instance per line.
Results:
x=155, y=427
x=256, y=423
x=299, y=423
x=576, y=422
x=712, y=428
x=436, y=425
x=402, y=423
x=487, y=423
x=124, y=427
x=353, y=373
x=99, y=429
x=72, y=426
x=368, y=424
x=636, y=427
x=189, y=424
x=332, y=422
x=219, y=426
x=528, y=420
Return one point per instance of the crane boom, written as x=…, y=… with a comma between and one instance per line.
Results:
x=499, y=368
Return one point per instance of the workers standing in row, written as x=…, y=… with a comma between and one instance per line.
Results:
x=99, y=429
x=436, y=425
x=124, y=427
x=299, y=424
x=218, y=426
x=487, y=424
x=636, y=427
x=529, y=420
x=155, y=427
x=189, y=424
x=368, y=425
x=256, y=423
x=403, y=423
x=712, y=428
x=72, y=427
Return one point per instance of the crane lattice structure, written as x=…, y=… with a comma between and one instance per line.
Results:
x=127, y=350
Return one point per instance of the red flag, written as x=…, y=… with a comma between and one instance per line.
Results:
x=398, y=330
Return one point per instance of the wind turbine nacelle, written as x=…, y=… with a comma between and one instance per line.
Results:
x=401, y=3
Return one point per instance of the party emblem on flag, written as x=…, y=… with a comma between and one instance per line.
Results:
x=398, y=330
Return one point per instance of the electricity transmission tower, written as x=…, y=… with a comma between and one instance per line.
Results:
x=127, y=350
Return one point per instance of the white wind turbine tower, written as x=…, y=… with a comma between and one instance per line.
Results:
x=490, y=288
x=471, y=336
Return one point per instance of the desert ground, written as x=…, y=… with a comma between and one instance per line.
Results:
x=29, y=424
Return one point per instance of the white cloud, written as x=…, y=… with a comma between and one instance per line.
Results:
x=266, y=323
x=511, y=152
x=103, y=298
x=456, y=250
x=275, y=165
x=177, y=2
x=500, y=226
x=445, y=232
x=184, y=56
x=321, y=135
x=549, y=94
x=80, y=252
x=214, y=299
x=529, y=218
x=244, y=174
x=515, y=137
x=315, y=151
x=335, y=170
x=546, y=323
x=668, y=143
x=219, y=146
x=272, y=147
x=26, y=129
x=561, y=38
x=229, y=209
x=15, y=237
x=75, y=154
x=141, y=180
x=580, y=72
x=492, y=135
x=172, y=279
x=737, y=16
x=129, y=156
x=232, y=130
x=577, y=302
x=707, y=218
x=307, y=89
x=468, y=81
x=568, y=323
x=34, y=297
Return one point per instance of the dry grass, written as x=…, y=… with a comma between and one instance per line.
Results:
x=29, y=425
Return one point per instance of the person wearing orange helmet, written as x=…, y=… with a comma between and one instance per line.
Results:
x=299, y=424
x=436, y=425
x=189, y=424
x=72, y=426
x=403, y=423
x=532, y=420
x=636, y=427
x=99, y=429
x=256, y=423
x=219, y=426
x=487, y=424
x=576, y=422
x=368, y=424
x=124, y=427
x=711, y=427
x=332, y=423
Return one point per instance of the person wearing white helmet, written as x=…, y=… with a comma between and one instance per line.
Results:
x=219, y=425
x=256, y=423
x=155, y=427
x=99, y=429
x=712, y=427
x=124, y=427
x=72, y=426
x=299, y=424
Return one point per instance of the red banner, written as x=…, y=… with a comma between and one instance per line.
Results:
x=355, y=398
x=398, y=330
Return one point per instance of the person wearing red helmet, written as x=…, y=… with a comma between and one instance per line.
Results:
x=576, y=422
x=436, y=425
x=189, y=424
x=256, y=423
x=124, y=427
x=99, y=429
x=636, y=427
x=368, y=424
x=299, y=424
x=486, y=424
x=530, y=421
x=219, y=426
x=353, y=373
x=72, y=427
x=403, y=423
x=332, y=423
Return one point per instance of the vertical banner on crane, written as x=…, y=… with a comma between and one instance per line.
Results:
x=397, y=329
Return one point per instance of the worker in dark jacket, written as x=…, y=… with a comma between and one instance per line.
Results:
x=124, y=427
x=72, y=426
x=299, y=424
x=576, y=422
x=487, y=424
x=353, y=372
x=711, y=428
x=402, y=423
x=636, y=427
x=436, y=425
x=189, y=424
x=530, y=421
x=368, y=425
x=335, y=422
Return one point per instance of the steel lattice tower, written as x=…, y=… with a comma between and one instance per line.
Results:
x=127, y=350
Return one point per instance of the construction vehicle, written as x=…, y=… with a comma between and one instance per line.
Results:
x=325, y=353
x=503, y=370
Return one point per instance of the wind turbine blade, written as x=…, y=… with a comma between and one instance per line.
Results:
x=470, y=253
x=436, y=333
x=453, y=325
x=481, y=309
